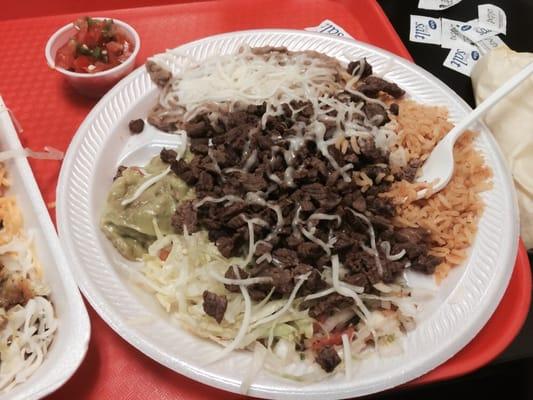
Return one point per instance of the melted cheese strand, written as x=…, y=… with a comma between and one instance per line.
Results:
x=372, y=235
x=314, y=239
x=301, y=279
x=245, y=282
x=208, y=199
x=319, y=294
x=145, y=185
x=343, y=290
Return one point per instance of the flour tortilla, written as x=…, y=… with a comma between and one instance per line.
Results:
x=511, y=122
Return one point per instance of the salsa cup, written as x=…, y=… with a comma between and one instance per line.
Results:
x=98, y=83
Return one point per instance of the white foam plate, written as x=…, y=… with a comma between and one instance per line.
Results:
x=463, y=304
x=72, y=336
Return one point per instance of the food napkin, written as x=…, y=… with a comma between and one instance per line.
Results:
x=511, y=122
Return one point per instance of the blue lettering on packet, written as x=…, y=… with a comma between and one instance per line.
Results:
x=432, y=24
x=331, y=30
x=466, y=27
x=475, y=55
x=459, y=58
x=420, y=31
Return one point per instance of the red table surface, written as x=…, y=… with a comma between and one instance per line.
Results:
x=50, y=112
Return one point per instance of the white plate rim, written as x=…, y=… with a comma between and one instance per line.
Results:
x=114, y=320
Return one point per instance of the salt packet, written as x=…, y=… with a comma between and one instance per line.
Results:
x=474, y=32
x=462, y=60
x=437, y=4
x=425, y=30
x=451, y=38
x=492, y=17
x=330, y=28
x=488, y=44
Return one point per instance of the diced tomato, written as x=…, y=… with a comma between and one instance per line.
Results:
x=81, y=26
x=100, y=66
x=93, y=37
x=101, y=42
x=163, y=254
x=65, y=55
x=81, y=64
x=333, y=339
x=114, y=48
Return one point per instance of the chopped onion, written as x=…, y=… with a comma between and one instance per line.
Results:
x=49, y=153
x=256, y=365
x=382, y=287
x=338, y=318
x=347, y=352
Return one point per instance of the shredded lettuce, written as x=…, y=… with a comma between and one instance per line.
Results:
x=194, y=265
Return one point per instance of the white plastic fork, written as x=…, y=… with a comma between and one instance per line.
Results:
x=439, y=165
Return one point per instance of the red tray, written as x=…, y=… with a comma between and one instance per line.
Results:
x=50, y=113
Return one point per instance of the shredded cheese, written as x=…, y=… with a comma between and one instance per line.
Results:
x=145, y=185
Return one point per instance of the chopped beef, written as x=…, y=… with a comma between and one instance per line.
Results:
x=370, y=152
x=409, y=172
x=230, y=274
x=426, y=263
x=214, y=305
x=313, y=283
x=119, y=172
x=394, y=109
x=328, y=358
x=228, y=245
x=382, y=206
x=162, y=120
x=185, y=216
x=282, y=279
x=327, y=305
x=359, y=279
x=197, y=129
x=354, y=68
x=14, y=291
x=376, y=113
x=285, y=256
x=410, y=235
x=136, y=126
x=168, y=156
x=253, y=182
x=309, y=251
x=372, y=85
x=262, y=248
x=158, y=74
x=317, y=191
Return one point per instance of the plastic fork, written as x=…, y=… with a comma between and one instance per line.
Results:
x=439, y=165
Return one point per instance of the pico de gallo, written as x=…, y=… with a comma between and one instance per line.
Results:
x=98, y=45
